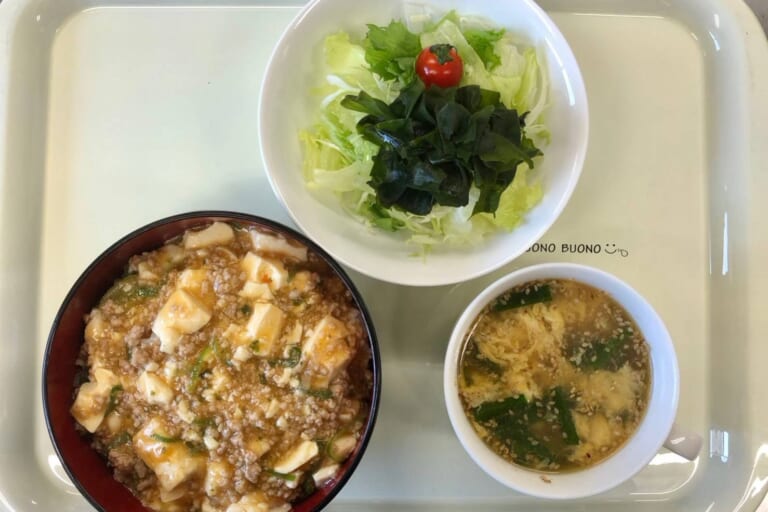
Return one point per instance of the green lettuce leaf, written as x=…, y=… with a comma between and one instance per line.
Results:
x=391, y=51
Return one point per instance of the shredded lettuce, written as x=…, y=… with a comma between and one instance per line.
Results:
x=483, y=42
x=516, y=201
x=338, y=160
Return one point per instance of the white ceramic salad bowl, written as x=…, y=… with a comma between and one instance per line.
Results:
x=288, y=105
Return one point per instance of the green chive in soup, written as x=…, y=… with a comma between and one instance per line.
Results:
x=554, y=375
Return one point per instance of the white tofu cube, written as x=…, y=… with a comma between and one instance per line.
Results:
x=171, y=496
x=210, y=442
x=192, y=280
x=294, y=337
x=93, y=399
x=208, y=507
x=90, y=405
x=183, y=313
x=250, y=265
x=242, y=353
x=258, y=446
x=259, y=502
x=220, y=380
x=324, y=474
x=145, y=274
x=303, y=281
x=263, y=270
x=183, y=412
x=264, y=326
x=170, y=369
x=217, y=477
x=263, y=242
x=297, y=456
x=217, y=233
x=104, y=376
x=341, y=447
x=96, y=327
x=171, y=255
x=169, y=337
x=256, y=291
x=272, y=409
x=171, y=460
x=328, y=349
x=114, y=423
x=154, y=389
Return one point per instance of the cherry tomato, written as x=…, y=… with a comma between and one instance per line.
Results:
x=439, y=65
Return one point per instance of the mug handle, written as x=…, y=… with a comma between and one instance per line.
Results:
x=686, y=444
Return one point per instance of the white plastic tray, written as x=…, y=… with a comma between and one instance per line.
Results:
x=117, y=112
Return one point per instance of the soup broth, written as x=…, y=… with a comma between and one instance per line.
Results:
x=554, y=375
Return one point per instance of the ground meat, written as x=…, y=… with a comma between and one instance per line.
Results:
x=123, y=460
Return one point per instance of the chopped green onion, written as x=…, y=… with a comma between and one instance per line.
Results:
x=144, y=291
x=197, y=368
x=119, y=440
x=284, y=476
x=322, y=393
x=204, y=423
x=221, y=355
x=113, y=398
x=128, y=290
x=294, y=356
x=164, y=439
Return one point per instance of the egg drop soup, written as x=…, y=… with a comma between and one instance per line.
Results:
x=554, y=375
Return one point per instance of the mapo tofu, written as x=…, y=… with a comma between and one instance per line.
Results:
x=227, y=371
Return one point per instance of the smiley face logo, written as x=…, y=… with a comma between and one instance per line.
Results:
x=614, y=249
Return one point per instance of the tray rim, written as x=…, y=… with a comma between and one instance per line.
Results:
x=755, y=46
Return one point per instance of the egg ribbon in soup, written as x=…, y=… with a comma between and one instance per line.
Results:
x=554, y=375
